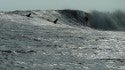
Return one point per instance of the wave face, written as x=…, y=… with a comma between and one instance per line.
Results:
x=97, y=20
x=73, y=16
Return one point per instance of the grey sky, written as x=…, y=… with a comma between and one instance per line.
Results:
x=101, y=5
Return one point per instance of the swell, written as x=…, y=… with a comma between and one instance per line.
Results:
x=97, y=20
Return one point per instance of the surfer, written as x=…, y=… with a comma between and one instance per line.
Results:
x=55, y=21
x=86, y=20
x=28, y=15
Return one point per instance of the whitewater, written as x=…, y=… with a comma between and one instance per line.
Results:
x=36, y=43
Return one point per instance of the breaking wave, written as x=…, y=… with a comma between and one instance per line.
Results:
x=108, y=21
x=97, y=20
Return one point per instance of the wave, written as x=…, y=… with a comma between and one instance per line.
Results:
x=96, y=19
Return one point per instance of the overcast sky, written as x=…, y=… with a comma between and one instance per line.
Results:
x=101, y=5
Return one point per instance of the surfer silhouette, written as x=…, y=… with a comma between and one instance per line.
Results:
x=55, y=21
x=28, y=15
x=86, y=20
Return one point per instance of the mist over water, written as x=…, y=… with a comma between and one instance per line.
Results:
x=108, y=21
